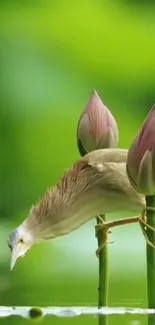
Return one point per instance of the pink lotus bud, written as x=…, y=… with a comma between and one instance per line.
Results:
x=141, y=158
x=97, y=128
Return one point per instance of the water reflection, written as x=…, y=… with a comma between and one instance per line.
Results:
x=78, y=316
x=37, y=312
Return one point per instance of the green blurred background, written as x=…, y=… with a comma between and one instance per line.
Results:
x=52, y=54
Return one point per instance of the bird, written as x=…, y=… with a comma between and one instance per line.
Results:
x=96, y=184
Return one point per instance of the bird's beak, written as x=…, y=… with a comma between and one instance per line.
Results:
x=18, y=251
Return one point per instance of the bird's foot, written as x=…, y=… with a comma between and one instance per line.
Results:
x=102, y=232
x=144, y=225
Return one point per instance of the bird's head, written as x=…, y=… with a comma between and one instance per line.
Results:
x=19, y=241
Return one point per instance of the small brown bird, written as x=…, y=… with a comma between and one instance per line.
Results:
x=96, y=184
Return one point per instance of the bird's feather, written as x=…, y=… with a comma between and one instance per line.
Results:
x=96, y=184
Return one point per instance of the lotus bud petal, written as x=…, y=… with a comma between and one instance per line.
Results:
x=145, y=173
x=141, y=158
x=97, y=128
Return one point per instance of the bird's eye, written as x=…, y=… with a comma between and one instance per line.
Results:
x=21, y=241
x=9, y=245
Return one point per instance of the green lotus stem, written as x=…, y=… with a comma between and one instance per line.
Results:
x=150, y=251
x=103, y=272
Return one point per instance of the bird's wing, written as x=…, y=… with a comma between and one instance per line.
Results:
x=108, y=171
x=106, y=155
x=108, y=168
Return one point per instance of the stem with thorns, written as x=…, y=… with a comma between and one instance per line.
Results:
x=102, y=230
x=105, y=226
x=150, y=256
x=103, y=269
